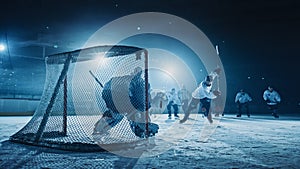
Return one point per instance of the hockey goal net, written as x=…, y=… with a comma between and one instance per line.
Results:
x=87, y=100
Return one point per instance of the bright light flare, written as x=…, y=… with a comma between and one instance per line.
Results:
x=2, y=47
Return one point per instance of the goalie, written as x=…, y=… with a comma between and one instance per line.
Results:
x=124, y=96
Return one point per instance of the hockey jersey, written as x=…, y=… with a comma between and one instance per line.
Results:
x=242, y=97
x=272, y=98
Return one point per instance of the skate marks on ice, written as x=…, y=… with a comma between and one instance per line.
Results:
x=11, y=124
x=187, y=151
x=266, y=143
x=15, y=155
x=208, y=129
x=237, y=144
x=171, y=133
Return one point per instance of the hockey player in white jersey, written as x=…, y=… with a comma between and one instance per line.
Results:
x=272, y=99
x=204, y=95
x=173, y=102
x=242, y=99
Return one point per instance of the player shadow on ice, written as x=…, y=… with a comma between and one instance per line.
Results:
x=169, y=121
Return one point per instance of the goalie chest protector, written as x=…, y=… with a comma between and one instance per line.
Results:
x=125, y=94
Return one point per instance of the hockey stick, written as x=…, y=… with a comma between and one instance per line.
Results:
x=97, y=80
x=218, y=82
x=218, y=77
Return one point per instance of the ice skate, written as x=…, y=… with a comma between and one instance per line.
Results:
x=209, y=118
x=186, y=116
x=275, y=115
x=183, y=120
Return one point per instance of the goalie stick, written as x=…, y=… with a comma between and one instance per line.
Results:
x=97, y=80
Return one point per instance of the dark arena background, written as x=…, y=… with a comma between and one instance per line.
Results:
x=86, y=84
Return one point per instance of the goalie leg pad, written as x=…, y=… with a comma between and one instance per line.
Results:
x=139, y=129
x=112, y=118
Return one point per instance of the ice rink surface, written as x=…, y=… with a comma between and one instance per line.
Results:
x=230, y=142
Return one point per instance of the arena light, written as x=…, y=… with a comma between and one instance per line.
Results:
x=2, y=47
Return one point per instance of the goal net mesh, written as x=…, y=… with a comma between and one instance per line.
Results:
x=73, y=113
